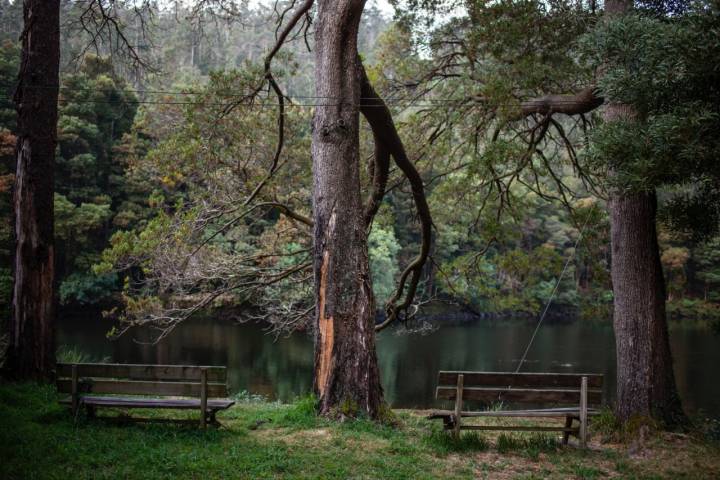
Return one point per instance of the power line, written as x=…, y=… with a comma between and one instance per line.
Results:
x=426, y=102
x=403, y=104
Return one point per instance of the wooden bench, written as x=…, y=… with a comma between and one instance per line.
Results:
x=94, y=385
x=583, y=391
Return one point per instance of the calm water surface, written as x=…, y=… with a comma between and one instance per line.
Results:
x=282, y=368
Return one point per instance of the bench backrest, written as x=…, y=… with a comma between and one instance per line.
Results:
x=129, y=379
x=535, y=388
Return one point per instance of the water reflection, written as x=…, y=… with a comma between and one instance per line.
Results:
x=282, y=368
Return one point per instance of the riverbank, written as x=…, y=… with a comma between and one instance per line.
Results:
x=259, y=439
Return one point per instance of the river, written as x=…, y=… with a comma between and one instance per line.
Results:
x=282, y=368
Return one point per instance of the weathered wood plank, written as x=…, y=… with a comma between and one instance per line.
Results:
x=521, y=428
x=143, y=372
x=203, y=397
x=137, y=387
x=515, y=413
x=519, y=395
x=458, y=405
x=583, y=412
x=510, y=379
x=138, y=402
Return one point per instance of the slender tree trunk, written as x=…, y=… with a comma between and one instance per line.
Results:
x=31, y=351
x=645, y=379
x=346, y=372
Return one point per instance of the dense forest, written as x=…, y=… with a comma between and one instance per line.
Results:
x=510, y=154
x=143, y=161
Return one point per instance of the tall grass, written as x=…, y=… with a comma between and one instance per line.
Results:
x=68, y=354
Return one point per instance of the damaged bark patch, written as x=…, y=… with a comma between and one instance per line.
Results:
x=326, y=328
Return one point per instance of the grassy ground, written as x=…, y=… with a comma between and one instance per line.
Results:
x=39, y=439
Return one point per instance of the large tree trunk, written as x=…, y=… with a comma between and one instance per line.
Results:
x=31, y=351
x=645, y=379
x=346, y=372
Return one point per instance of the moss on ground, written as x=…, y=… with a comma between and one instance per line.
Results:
x=40, y=439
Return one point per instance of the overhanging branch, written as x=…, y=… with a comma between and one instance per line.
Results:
x=386, y=137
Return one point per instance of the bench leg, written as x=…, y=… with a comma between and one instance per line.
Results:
x=566, y=434
x=90, y=411
x=458, y=406
x=212, y=420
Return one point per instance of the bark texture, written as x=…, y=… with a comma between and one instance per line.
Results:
x=645, y=379
x=31, y=351
x=346, y=373
x=582, y=102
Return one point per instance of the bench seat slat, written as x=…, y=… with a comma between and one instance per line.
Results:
x=138, y=402
x=511, y=379
x=143, y=372
x=519, y=395
x=550, y=413
x=136, y=387
x=524, y=428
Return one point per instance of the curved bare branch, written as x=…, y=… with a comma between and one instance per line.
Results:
x=385, y=133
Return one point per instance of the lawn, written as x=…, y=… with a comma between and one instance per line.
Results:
x=260, y=439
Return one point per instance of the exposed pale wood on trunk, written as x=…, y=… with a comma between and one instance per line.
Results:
x=31, y=334
x=346, y=371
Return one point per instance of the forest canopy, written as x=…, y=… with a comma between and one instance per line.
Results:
x=158, y=210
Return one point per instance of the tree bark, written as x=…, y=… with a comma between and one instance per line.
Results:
x=645, y=379
x=31, y=352
x=585, y=101
x=346, y=380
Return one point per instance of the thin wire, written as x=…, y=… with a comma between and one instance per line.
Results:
x=552, y=295
x=406, y=104
x=399, y=102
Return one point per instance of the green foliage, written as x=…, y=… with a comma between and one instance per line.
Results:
x=302, y=414
x=87, y=288
x=383, y=249
x=606, y=423
x=665, y=69
x=68, y=354
x=9, y=60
